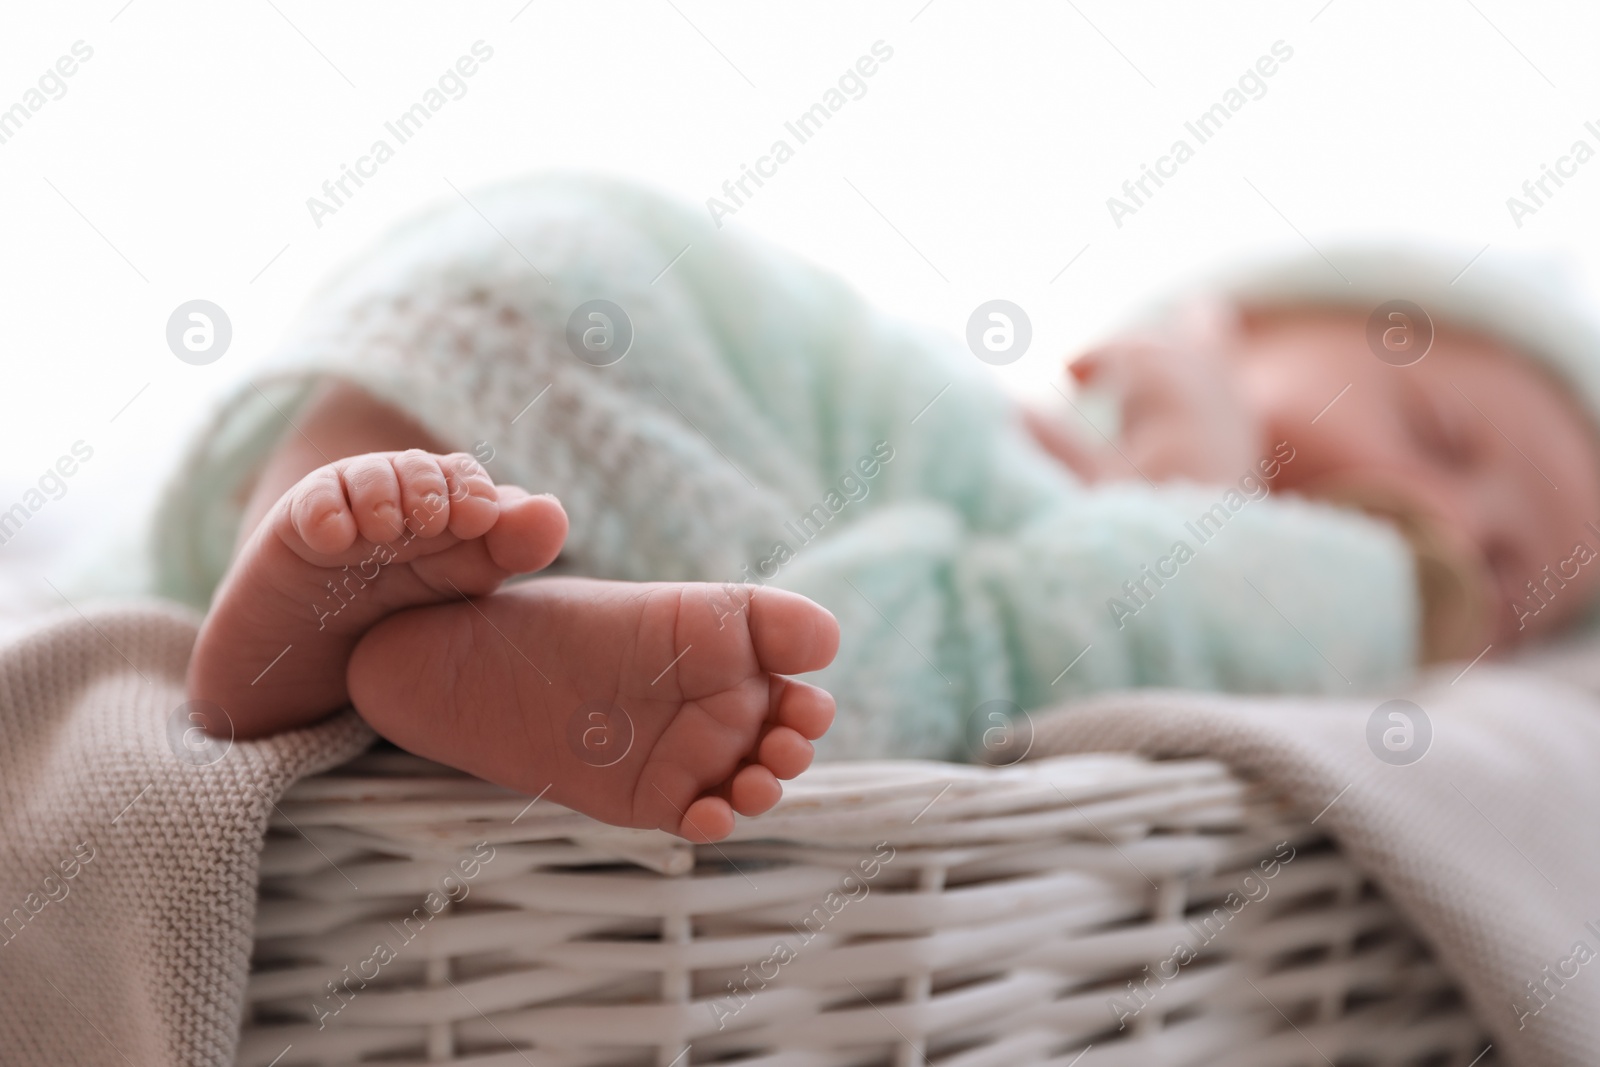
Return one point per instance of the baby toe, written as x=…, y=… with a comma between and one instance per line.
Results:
x=318, y=515
x=784, y=752
x=806, y=709
x=791, y=634
x=474, y=504
x=424, y=493
x=529, y=533
x=708, y=819
x=373, y=491
x=754, y=790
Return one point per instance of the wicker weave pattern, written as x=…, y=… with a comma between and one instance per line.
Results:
x=891, y=913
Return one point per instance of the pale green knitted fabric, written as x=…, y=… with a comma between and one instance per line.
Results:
x=967, y=568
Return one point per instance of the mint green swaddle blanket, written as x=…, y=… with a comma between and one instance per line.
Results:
x=764, y=425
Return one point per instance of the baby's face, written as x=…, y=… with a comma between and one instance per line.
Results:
x=1478, y=439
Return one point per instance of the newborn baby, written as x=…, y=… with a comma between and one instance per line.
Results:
x=1478, y=453
x=756, y=477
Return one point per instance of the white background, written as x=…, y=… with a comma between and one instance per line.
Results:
x=179, y=161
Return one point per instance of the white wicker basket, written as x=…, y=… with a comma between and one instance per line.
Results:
x=927, y=913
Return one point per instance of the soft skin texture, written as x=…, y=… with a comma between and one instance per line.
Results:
x=964, y=565
x=387, y=551
x=350, y=543
x=711, y=722
x=337, y=561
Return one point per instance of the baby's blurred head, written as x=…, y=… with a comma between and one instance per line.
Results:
x=1481, y=453
x=1471, y=419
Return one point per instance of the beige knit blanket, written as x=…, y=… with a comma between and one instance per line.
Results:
x=129, y=847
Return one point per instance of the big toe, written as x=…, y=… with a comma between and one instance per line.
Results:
x=791, y=634
x=529, y=533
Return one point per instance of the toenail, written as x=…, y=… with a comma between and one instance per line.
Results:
x=434, y=502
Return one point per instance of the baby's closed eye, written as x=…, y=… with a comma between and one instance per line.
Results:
x=1444, y=427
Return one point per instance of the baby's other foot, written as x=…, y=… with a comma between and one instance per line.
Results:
x=351, y=542
x=650, y=705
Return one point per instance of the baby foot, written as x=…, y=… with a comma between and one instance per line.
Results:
x=352, y=542
x=650, y=705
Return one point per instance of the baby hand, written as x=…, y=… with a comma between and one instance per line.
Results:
x=1184, y=412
